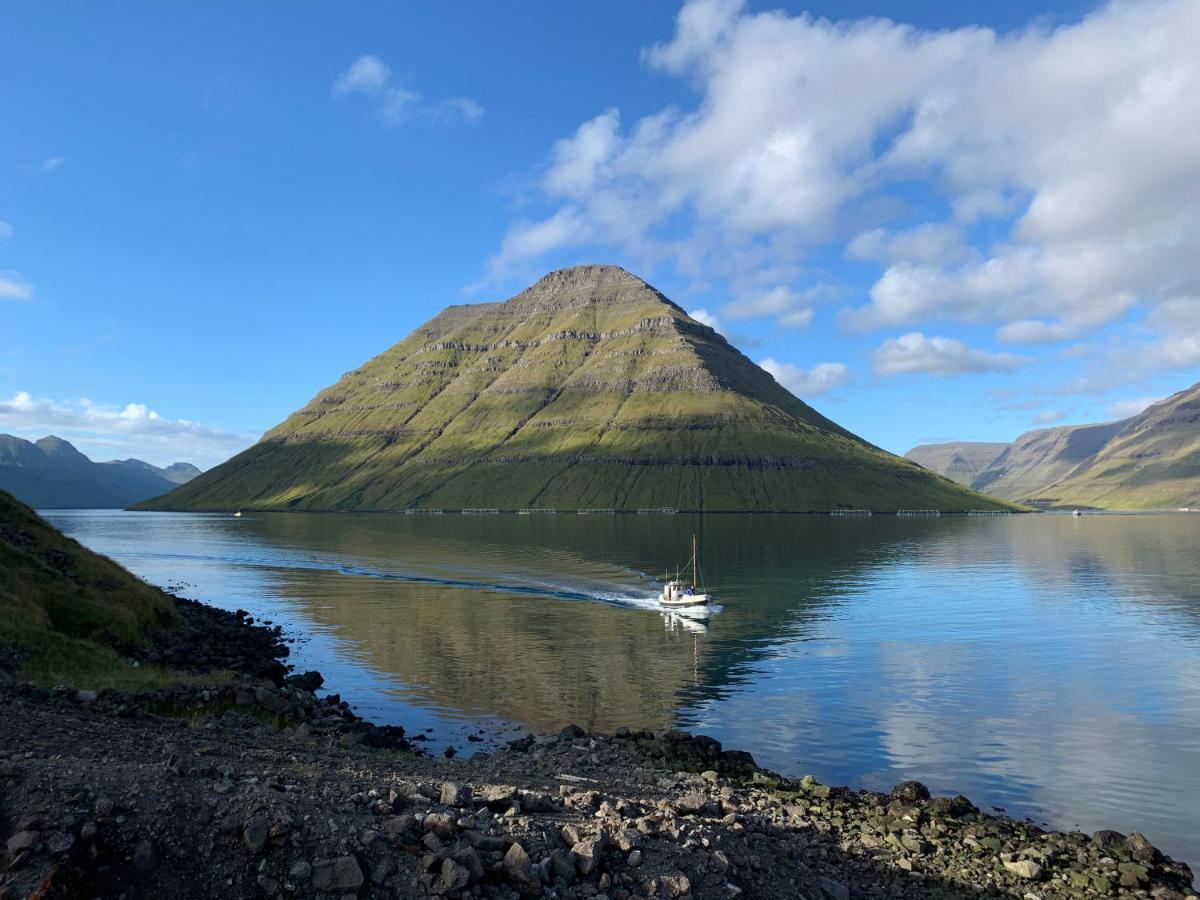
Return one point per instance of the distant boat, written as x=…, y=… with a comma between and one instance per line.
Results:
x=678, y=593
x=1077, y=513
x=238, y=514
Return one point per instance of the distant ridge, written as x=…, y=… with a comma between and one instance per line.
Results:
x=1148, y=461
x=960, y=461
x=52, y=474
x=589, y=389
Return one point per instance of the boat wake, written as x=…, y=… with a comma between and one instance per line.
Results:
x=643, y=596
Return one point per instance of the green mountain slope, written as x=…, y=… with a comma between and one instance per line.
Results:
x=1153, y=462
x=588, y=389
x=52, y=474
x=1039, y=458
x=960, y=461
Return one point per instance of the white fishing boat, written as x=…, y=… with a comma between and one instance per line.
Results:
x=679, y=594
x=238, y=514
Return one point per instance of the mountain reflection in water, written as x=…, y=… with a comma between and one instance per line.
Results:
x=1046, y=664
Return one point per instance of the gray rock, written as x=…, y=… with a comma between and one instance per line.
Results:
x=1141, y=849
x=498, y=797
x=455, y=794
x=910, y=792
x=87, y=696
x=691, y=803
x=301, y=870
x=440, y=824
x=673, y=884
x=834, y=890
x=337, y=875
x=143, y=856
x=271, y=701
x=586, y=855
x=518, y=868
x=23, y=840
x=561, y=866
x=1023, y=868
x=254, y=835
x=454, y=876
x=59, y=843
x=468, y=857
x=634, y=858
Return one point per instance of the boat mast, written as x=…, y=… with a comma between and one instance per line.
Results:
x=693, y=563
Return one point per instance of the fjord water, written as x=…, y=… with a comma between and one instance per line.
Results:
x=1043, y=664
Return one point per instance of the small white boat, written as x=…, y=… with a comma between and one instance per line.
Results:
x=238, y=514
x=1077, y=513
x=678, y=594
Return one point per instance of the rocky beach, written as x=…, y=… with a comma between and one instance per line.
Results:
x=264, y=787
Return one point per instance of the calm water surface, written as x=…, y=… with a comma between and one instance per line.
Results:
x=1043, y=664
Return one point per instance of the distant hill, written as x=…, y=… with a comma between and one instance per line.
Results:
x=960, y=461
x=1037, y=459
x=588, y=389
x=52, y=474
x=1153, y=462
x=1149, y=461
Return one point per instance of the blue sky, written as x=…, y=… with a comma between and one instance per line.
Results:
x=950, y=221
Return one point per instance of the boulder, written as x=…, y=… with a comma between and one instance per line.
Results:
x=337, y=876
x=910, y=792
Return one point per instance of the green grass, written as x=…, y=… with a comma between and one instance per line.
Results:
x=65, y=611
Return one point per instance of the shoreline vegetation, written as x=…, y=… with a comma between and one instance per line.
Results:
x=154, y=746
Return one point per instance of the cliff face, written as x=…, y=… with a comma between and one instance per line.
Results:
x=961, y=461
x=588, y=389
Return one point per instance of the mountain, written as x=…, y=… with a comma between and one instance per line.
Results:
x=1149, y=461
x=1153, y=462
x=176, y=473
x=960, y=461
x=1037, y=459
x=52, y=474
x=588, y=389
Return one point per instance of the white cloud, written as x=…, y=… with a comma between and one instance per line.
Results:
x=820, y=379
x=6, y=230
x=370, y=76
x=132, y=430
x=704, y=317
x=915, y=353
x=1079, y=143
x=13, y=287
x=46, y=166
x=934, y=243
x=1123, y=409
x=462, y=108
x=367, y=75
x=1049, y=417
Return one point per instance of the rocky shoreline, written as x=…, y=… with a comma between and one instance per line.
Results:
x=262, y=788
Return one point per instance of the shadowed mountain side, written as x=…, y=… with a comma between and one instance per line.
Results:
x=588, y=389
x=960, y=461
x=492, y=653
x=52, y=474
x=456, y=650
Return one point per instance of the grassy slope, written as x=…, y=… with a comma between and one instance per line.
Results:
x=1040, y=458
x=590, y=391
x=1153, y=463
x=63, y=609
